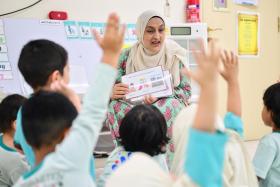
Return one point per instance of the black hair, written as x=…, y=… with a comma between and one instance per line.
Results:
x=39, y=59
x=8, y=111
x=144, y=129
x=45, y=116
x=271, y=100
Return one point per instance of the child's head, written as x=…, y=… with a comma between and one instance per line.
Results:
x=43, y=61
x=8, y=112
x=144, y=129
x=271, y=109
x=46, y=117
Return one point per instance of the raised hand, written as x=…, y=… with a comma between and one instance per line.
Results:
x=230, y=66
x=230, y=74
x=207, y=77
x=207, y=62
x=112, y=41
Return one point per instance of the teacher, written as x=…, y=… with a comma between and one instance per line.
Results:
x=151, y=50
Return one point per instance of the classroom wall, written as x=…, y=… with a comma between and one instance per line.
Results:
x=255, y=73
x=93, y=10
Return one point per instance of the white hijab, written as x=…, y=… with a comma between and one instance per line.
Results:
x=168, y=57
x=238, y=170
x=142, y=171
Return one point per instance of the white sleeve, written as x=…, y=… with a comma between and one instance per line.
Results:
x=76, y=149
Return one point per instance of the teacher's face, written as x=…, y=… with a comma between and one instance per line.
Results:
x=154, y=35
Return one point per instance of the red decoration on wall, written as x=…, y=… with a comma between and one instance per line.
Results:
x=58, y=15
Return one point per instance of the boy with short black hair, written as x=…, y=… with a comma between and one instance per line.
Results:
x=48, y=124
x=41, y=62
x=64, y=161
x=266, y=160
x=12, y=163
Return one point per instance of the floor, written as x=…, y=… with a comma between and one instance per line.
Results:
x=250, y=145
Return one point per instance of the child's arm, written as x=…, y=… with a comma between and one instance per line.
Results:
x=206, y=76
x=76, y=149
x=229, y=72
x=205, y=151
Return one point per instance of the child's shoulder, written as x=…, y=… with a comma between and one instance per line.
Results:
x=10, y=160
x=117, y=157
x=7, y=152
x=271, y=139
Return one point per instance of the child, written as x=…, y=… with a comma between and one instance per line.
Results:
x=205, y=150
x=42, y=62
x=143, y=129
x=64, y=161
x=266, y=160
x=12, y=163
x=238, y=170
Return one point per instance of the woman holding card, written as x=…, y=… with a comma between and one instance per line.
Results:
x=151, y=50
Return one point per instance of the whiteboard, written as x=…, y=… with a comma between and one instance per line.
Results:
x=83, y=52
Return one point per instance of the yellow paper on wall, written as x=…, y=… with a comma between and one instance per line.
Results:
x=248, y=34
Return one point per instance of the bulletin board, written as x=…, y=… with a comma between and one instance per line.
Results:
x=75, y=36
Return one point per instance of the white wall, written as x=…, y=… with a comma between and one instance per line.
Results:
x=92, y=10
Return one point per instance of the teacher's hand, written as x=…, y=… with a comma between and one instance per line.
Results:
x=119, y=91
x=148, y=99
